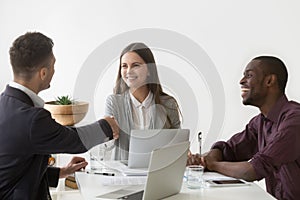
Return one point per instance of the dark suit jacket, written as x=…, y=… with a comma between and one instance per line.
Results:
x=27, y=136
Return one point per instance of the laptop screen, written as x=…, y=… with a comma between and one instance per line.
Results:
x=143, y=142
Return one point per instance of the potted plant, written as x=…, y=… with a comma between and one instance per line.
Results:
x=67, y=111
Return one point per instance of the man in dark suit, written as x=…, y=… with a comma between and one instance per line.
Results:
x=28, y=134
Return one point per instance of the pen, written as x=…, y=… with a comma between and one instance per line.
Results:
x=102, y=173
x=200, y=141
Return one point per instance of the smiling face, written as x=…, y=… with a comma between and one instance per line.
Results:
x=253, y=87
x=134, y=70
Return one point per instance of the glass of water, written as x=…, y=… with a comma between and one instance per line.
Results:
x=194, y=176
x=99, y=155
x=94, y=157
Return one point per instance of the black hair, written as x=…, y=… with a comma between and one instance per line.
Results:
x=273, y=65
x=30, y=52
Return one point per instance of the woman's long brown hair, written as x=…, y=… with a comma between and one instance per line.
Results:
x=152, y=82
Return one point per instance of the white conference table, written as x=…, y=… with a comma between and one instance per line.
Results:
x=90, y=186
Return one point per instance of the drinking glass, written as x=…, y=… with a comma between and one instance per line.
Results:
x=194, y=176
x=94, y=156
x=100, y=154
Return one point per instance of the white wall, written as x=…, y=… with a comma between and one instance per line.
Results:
x=230, y=32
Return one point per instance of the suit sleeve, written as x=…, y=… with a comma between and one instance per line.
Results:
x=53, y=176
x=47, y=136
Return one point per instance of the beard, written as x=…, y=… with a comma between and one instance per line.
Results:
x=253, y=99
x=247, y=101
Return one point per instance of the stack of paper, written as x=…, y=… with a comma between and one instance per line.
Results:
x=124, y=169
x=123, y=180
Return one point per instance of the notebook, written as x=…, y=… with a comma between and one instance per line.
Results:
x=143, y=142
x=165, y=175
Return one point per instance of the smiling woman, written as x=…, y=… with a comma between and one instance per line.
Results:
x=134, y=72
x=138, y=101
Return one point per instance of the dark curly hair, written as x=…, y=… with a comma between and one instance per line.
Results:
x=273, y=65
x=30, y=52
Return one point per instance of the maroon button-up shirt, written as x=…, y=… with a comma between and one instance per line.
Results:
x=272, y=144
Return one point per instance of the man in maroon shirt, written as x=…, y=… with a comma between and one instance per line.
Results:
x=269, y=147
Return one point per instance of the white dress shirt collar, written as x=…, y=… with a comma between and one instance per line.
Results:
x=37, y=101
x=146, y=103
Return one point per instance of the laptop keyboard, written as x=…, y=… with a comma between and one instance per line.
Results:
x=135, y=196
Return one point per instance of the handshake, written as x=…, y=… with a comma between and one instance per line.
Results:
x=113, y=125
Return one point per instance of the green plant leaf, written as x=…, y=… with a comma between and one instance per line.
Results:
x=64, y=100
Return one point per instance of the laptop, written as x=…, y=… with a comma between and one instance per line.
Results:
x=143, y=142
x=165, y=176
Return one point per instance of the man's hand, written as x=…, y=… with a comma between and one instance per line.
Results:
x=195, y=159
x=213, y=156
x=76, y=164
x=114, y=126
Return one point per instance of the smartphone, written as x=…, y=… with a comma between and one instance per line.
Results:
x=223, y=183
